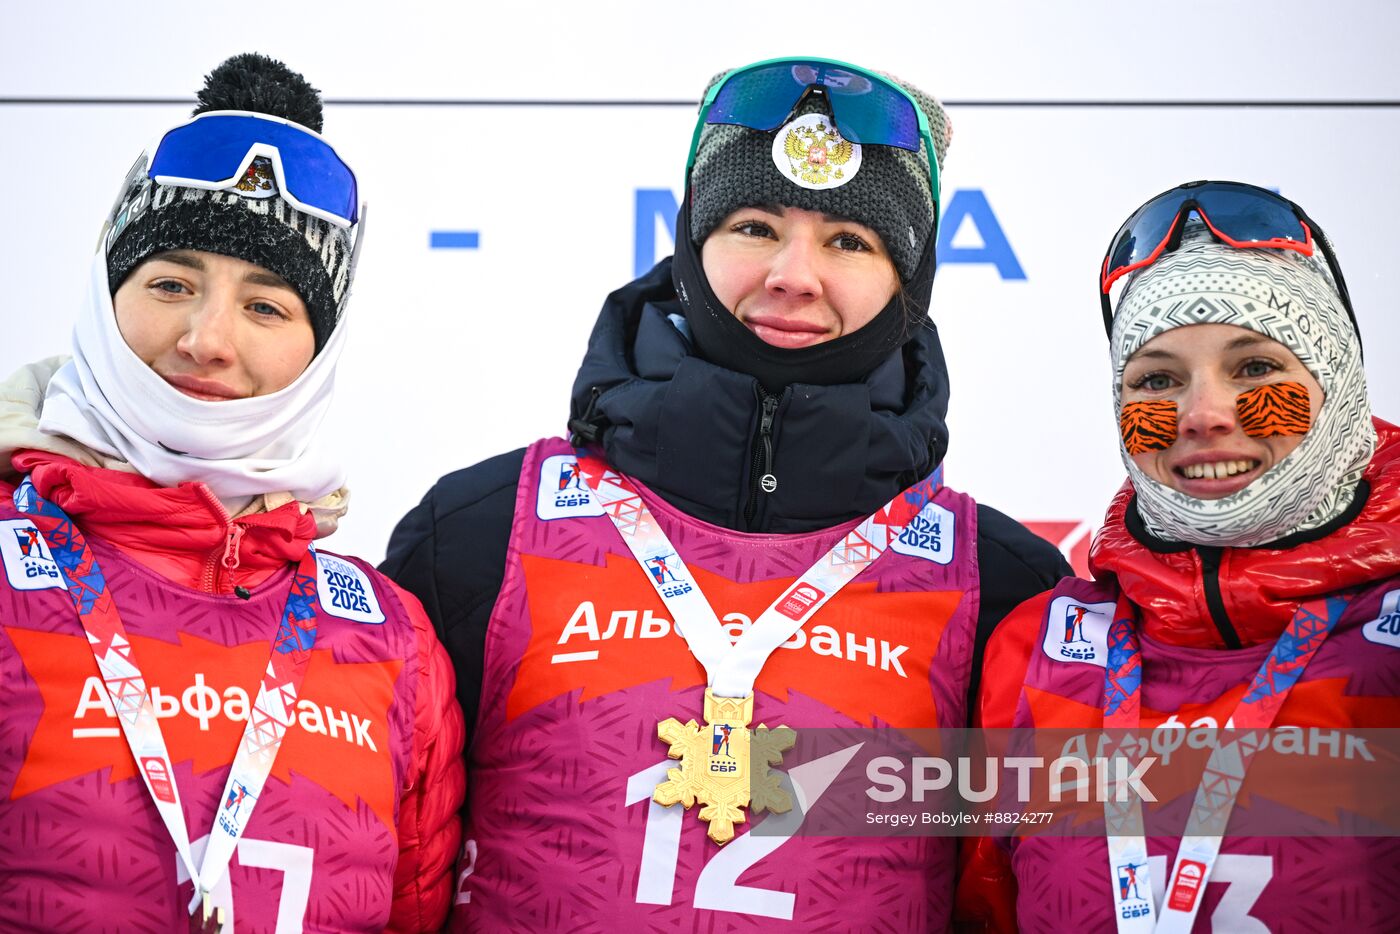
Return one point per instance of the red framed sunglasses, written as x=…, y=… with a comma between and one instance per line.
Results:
x=1241, y=215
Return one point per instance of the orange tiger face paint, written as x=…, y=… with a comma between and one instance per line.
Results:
x=1242, y=406
x=1148, y=426
x=1275, y=410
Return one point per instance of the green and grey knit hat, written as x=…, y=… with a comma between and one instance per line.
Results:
x=806, y=164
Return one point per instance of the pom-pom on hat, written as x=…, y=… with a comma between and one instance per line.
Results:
x=248, y=221
x=806, y=164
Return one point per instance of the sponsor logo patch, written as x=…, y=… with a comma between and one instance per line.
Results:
x=345, y=591
x=1385, y=628
x=29, y=565
x=158, y=777
x=564, y=494
x=1078, y=632
x=929, y=535
x=1131, y=885
x=799, y=600
x=1187, y=886
x=238, y=795
x=669, y=574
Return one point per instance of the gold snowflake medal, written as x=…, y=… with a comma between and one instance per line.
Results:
x=715, y=764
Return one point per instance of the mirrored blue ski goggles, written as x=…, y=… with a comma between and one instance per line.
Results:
x=215, y=150
x=1238, y=214
x=866, y=108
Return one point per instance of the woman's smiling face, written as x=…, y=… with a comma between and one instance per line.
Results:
x=1203, y=369
x=797, y=278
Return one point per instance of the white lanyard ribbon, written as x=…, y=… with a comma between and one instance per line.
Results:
x=732, y=668
x=268, y=720
x=1135, y=911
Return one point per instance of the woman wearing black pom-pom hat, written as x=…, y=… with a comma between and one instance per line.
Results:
x=205, y=716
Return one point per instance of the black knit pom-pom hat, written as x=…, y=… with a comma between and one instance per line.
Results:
x=249, y=220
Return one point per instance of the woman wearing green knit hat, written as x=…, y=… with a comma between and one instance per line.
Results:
x=746, y=526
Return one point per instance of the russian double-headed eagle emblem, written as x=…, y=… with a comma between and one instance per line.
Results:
x=258, y=181
x=816, y=153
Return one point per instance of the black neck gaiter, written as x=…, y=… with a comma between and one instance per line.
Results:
x=724, y=341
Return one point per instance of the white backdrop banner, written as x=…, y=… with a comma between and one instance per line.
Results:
x=519, y=166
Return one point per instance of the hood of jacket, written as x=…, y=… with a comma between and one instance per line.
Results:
x=696, y=433
x=1258, y=589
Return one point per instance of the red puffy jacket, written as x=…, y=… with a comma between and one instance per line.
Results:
x=1259, y=591
x=186, y=535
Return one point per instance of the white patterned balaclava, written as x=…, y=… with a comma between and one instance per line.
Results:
x=1289, y=298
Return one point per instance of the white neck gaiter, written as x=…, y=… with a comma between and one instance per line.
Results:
x=109, y=400
x=1286, y=297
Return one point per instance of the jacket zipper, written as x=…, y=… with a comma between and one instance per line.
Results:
x=224, y=557
x=761, y=478
x=1215, y=602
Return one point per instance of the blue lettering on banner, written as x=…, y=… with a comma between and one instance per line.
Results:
x=971, y=205
x=652, y=204
x=966, y=205
x=454, y=239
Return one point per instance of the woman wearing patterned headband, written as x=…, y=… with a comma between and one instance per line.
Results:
x=757, y=422
x=1245, y=575
x=204, y=715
